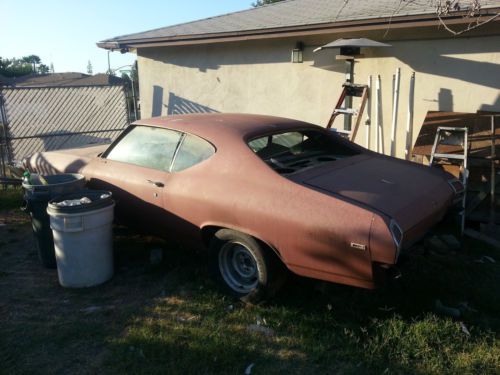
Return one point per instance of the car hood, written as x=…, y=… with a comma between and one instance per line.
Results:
x=63, y=161
x=401, y=190
x=85, y=152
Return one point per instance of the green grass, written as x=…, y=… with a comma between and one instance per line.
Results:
x=342, y=330
x=10, y=198
x=171, y=319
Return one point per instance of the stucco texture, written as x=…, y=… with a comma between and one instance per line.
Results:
x=460, y=75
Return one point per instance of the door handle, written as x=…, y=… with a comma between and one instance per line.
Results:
x=156, y=183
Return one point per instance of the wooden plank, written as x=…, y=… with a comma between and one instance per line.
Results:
x=482, y=237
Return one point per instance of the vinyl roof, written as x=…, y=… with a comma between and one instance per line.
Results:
x=287, y=14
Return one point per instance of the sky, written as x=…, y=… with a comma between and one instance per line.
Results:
x=65, y=32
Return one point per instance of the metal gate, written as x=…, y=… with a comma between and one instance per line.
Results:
x=34, y=119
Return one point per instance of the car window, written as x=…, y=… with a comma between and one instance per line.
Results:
x=193, y=150
x=259, y=143
x=289, y=139
x=285, y=139
x=147, y=146
x=290, y=152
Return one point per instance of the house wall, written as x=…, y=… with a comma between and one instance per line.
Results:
x=461, y=75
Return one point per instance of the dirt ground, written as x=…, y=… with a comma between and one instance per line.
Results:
x=43, y=317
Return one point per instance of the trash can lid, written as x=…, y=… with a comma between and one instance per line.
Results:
x=81, y=201
x=39, y=182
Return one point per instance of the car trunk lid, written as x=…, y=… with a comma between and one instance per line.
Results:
x=404, y=191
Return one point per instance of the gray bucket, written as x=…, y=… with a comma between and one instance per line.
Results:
x=83, y=238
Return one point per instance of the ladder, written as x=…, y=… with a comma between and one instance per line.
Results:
x=453, y=136
x=349, y=90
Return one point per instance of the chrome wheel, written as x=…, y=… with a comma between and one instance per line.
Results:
x=238, y=267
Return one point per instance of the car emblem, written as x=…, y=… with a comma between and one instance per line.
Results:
x=358, y=246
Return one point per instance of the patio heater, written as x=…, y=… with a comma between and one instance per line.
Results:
x=350, y=50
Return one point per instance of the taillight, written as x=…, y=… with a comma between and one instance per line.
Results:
x=397, y=236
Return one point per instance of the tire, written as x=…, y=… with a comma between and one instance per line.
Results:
x=245, y=268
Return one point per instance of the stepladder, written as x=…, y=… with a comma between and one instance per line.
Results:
x=456, y=139
x=350, y=90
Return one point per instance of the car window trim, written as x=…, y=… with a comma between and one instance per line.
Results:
x=176, y=152
x=105, y=154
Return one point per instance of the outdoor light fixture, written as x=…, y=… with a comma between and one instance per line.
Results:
x=297, y=53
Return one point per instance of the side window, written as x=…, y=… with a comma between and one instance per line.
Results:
x=193, y=150
x=147, y=146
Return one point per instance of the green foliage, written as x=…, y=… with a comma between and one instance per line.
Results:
x=43, y=69
x=31, y=59
x=17, y=67
x=89, y=68
x=260, y=3
x=10, y=198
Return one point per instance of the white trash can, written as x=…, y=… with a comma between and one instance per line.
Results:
x=82, y=227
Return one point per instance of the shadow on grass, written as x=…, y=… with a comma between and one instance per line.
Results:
x=170, y=318
x=318, y=328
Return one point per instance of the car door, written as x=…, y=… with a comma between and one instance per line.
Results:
x=136, y=169
x=184, y=196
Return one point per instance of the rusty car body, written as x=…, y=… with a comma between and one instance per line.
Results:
x=322, y=206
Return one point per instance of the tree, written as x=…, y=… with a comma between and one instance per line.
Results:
x=52, y=70
x=260, y=3
x=43, y=69
x=15, y=67
x=32, y=59
x=89, y=68
x=470, y=10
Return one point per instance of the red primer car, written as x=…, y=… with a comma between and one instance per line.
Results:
x=263, y=194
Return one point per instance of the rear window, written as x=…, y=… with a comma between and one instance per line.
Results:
x=295, y=151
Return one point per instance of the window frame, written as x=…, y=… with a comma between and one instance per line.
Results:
x=325, y=132
x=183, y=134
x=179, y=145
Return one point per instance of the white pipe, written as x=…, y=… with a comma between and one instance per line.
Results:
x=377, y=114
x=409, y=120
x=368, y=113
x=395, y=112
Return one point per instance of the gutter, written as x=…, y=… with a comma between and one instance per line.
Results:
x=386, y=23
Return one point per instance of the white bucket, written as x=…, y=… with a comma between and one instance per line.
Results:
x=83, y=243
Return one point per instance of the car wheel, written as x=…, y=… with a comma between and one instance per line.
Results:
x=245, y=268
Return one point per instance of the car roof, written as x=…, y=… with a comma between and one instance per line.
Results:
x=217, y=127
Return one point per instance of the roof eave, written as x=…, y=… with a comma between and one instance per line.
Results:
x=300, y=30
x=111, y=45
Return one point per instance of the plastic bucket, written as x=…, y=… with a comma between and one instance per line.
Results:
x=83, y=238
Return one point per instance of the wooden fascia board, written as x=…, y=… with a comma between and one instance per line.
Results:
x=406, y=22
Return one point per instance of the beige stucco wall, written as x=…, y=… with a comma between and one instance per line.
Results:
x=460, y=75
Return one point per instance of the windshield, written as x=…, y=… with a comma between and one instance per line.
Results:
x=295, y=151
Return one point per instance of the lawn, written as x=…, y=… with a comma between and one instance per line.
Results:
x=169, y=318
